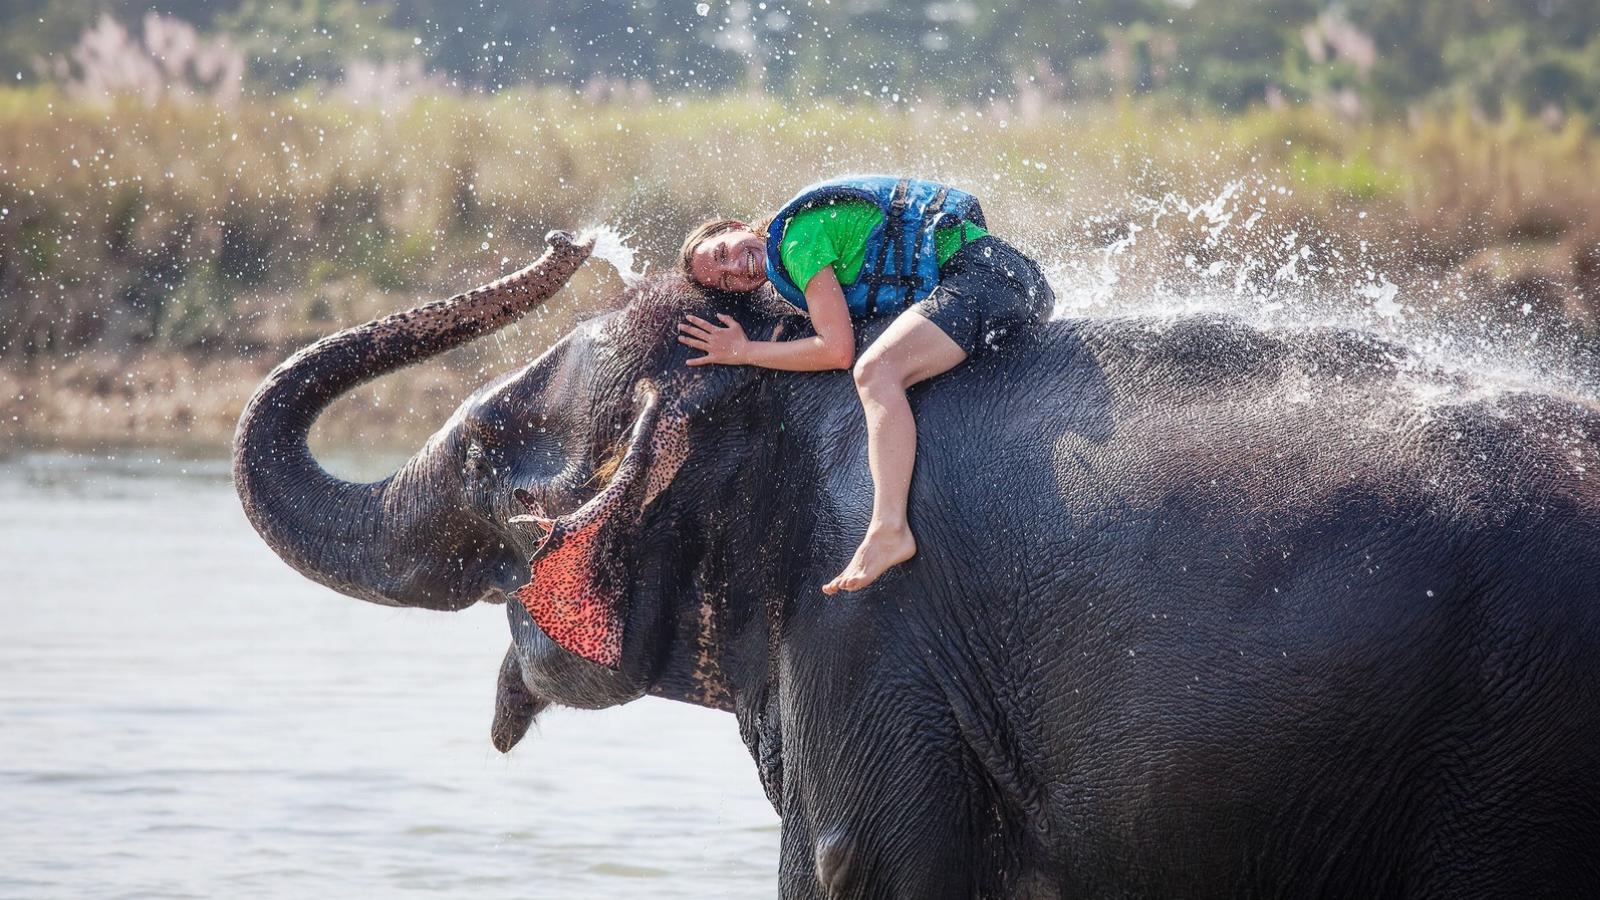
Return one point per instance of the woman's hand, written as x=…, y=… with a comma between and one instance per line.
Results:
x=832, y=347
x=725, y=344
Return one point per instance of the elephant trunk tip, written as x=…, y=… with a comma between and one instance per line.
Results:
x=568, y=250
x=582, y=242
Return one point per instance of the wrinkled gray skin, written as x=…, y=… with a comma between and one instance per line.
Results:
x=1200, y=610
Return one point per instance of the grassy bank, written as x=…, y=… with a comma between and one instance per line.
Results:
x=154, y=261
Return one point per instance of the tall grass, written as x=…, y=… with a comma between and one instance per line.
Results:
x=239, y=230
x=191, y=225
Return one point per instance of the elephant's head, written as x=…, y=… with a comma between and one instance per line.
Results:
x=557, y=470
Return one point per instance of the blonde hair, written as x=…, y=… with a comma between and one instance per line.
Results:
x=710, y=229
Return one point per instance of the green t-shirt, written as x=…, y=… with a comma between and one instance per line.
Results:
x=836, y=234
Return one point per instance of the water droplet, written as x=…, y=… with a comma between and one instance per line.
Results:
x=702, y=9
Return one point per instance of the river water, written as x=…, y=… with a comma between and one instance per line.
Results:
x=181, y=715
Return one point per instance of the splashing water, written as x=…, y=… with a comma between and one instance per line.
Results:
x=1171, y=257
x=611, y=246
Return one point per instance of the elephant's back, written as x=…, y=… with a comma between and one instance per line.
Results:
x=1213, y=413
x=1241, y=576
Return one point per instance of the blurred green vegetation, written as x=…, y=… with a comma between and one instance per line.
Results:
x=1385, y=56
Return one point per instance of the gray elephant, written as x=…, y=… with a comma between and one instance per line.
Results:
x=1200, y=610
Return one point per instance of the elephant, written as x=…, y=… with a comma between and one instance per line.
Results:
x=1202, y=608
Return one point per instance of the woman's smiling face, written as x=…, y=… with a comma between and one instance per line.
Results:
x=734, y=260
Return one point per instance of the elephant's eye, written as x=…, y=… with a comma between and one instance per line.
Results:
x=477, y=461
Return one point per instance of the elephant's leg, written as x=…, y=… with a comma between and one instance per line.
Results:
x=797, y=866
x=878, y=853
x=881, y=806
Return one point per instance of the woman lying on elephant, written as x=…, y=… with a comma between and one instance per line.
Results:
x=855, y=248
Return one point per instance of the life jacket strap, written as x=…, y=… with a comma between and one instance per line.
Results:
x=931, y=215
x=891, y=237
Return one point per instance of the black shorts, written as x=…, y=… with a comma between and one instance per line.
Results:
x=985, y=291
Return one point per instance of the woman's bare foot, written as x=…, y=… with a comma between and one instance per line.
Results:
x=884, y=547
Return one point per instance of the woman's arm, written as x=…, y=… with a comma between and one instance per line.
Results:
x=834, y=346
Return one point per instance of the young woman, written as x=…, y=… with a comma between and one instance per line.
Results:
x=859, y=247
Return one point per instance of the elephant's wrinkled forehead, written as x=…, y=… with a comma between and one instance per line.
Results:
x=541, y=393
x=562, y=372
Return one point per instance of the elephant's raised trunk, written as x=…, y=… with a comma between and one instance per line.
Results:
x=340, y=533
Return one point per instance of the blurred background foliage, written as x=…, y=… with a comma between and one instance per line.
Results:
x=189, y=190
x=1383, y=55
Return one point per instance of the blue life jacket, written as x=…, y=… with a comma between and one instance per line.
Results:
x=901, y=265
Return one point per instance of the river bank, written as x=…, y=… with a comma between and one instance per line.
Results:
x=190, y=405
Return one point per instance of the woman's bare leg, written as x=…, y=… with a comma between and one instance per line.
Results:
x=910, y=350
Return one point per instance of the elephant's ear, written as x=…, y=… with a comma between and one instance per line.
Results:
x=582, y=573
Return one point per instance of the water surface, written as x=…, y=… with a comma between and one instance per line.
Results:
x=185, y=716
